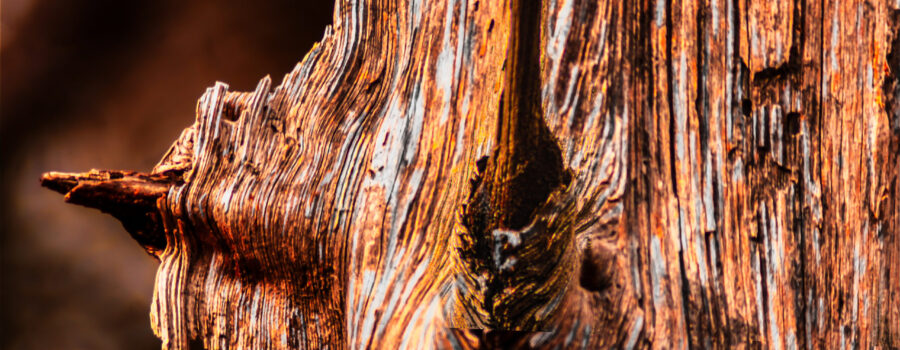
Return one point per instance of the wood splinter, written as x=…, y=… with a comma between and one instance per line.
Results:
x=131, y=197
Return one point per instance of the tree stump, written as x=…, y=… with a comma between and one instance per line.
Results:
x=564, y=173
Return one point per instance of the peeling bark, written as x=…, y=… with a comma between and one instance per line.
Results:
x=580, y=174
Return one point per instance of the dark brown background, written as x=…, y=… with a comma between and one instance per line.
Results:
x=110, y=84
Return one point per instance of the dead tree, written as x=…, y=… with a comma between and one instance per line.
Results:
x=572, y=173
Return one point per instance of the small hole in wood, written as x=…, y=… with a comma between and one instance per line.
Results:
x=596, y=271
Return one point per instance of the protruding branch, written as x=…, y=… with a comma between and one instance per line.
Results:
x=130, y=197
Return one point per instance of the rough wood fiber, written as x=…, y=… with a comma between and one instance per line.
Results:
x=728, y=177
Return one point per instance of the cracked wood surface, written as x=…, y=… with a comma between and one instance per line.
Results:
x=731, y=180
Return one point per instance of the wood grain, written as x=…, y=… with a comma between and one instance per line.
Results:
x=578, y=174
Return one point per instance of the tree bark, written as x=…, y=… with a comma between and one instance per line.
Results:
x=565, y=173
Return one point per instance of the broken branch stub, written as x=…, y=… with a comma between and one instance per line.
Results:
x=129, y=196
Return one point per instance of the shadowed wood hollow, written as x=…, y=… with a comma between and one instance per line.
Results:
x=538, y=174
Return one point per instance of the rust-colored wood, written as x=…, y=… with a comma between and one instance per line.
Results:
x=564, y=173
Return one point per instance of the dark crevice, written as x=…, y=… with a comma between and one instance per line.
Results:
x=770, y=75
x=792, y=123
x=196, y=344
x=704, y=325
x=891, y=84
x=501, y=339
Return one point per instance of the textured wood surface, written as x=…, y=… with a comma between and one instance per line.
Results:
x=709, y=174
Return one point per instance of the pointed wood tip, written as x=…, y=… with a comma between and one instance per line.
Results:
x=66, y=182
x=59, y=182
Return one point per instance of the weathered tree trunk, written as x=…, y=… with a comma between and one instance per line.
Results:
x=572, y=173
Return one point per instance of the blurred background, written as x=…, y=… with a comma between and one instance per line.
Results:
x=109, y=84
